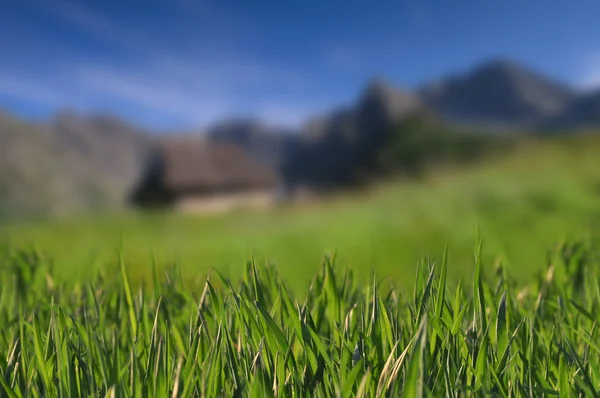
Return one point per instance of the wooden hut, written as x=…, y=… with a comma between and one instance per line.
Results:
x=198, y=175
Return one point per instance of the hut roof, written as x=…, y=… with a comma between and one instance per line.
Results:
x=190, y=164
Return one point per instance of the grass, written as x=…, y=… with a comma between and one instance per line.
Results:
x=491, y=337
x=522, y=204
x=95, y=307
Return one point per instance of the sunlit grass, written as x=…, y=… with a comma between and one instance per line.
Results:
x=494, y=336
x=171, y=305
x=521, y=203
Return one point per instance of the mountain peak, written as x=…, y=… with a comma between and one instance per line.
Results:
x=394, y=101
x=378, y=84
x=498, y=91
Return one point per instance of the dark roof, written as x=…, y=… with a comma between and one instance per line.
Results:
x=197, y=164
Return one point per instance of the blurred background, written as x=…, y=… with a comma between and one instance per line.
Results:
x=209, y=133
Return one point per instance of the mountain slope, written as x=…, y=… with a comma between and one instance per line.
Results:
x=69, y=164
x=498, y=92
x=104, y=155
x=341, y=147
x=265, y=143
x=583, y=112
x=31, y=181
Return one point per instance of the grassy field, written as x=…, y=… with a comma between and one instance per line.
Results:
x=521, y=205
x=344, y=339
x=93, y=307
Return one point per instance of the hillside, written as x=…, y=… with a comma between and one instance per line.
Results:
x=70, y=164
x=31, y=180
x=521, y=204
x=583, y=112
x=343, y=146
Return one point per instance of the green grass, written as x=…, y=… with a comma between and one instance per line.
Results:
x=170, y=305
x=491, y=337
x=522, y=204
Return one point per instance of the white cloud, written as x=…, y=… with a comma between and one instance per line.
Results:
x=283, y=115
x=170, y=99
x=590, y=77
x=184, y=83
x=288, y=113
x=27, y=90
x=95, y=24
x=215, y=65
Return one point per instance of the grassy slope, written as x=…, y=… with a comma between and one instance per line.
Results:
x=521, y=205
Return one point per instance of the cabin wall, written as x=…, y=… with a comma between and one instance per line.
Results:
x=222, y=202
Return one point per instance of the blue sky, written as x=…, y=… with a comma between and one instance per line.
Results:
x=187, y=63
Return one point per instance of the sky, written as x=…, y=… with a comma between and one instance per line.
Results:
x=181, y=64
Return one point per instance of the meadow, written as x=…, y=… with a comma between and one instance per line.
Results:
x=480, y=281
x=520, y=204
x=344, y=338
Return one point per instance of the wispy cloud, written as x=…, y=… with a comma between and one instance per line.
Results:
x=28, y=90
x=170, y=99
x=590, y=76
x=183, y=82
x=288, y=114
x=95, y=24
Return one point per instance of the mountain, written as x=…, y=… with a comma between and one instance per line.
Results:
x=499, y=93
x=71, y=163
x=28, y=165
x=582, y=112
x=74, y=162
x=341, y=147
x=266, y=143
x=104, y=155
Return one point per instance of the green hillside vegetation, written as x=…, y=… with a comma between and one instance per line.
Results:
x=423, y=141
x=521, y=203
